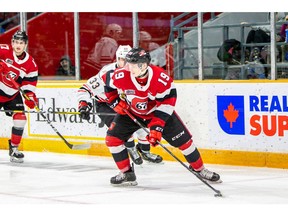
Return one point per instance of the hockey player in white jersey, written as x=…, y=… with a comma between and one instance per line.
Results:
x=94, y=88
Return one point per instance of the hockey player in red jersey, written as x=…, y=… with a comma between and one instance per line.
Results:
x=94, y=89
x=17, y=64
x=150, y=95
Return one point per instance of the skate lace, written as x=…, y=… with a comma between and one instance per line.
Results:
x=120, y=176
x=15, y=151
x=205, y=173
x=150, y=155
x=133, y=152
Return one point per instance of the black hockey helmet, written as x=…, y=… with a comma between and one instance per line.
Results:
x=138, y=55
x=20, y=35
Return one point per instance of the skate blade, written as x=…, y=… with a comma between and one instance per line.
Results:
x=16, y=160
x=126, y=184
x=213, y=182
x=137, y=162
x=153, y=162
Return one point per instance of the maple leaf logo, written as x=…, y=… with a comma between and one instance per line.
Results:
x=231, y=114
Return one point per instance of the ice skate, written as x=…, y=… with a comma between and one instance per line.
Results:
x=148, y=156
x=134, y=155
x=15, y=155
x=124, y=179
x=207, y=175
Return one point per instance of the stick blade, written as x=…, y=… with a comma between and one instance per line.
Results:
x=81, y=146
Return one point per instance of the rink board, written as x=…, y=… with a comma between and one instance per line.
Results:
x=226, y=157
x=233, y=123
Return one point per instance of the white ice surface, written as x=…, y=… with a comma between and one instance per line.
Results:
x=65, y=182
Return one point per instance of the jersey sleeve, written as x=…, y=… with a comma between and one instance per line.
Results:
x=4, y=48
x=93, y=88
x=165, y=98
x=29, y=81
x=111, y=91
x=85, y=92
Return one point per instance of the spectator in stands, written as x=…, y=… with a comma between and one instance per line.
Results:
x=65, y=68
x=283, y=28
x=145, y=41
x=104, y=50
x=13, y=20
x=284, y=48
x=2, y=18
x=255, y=65
x=2, y=30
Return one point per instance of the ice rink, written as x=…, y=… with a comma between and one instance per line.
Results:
x=49, y=181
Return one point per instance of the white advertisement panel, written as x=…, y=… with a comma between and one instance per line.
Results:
x=236, y=116
x=64, y=100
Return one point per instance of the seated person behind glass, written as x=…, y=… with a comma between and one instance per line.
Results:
x=66, y=68
x=255, y=68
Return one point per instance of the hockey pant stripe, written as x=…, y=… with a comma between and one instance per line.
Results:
x=119, y=153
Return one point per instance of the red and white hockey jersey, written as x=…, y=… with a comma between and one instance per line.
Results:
x=154, y=100
x=24, y=72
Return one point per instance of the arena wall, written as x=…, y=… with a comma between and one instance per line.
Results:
x=232, y=122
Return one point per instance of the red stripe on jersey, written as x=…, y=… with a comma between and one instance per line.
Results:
x=169, y=101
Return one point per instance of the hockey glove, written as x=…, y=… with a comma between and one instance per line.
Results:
x=31, y=100
x=155, y=135
x=84, y=108
x=121, y=105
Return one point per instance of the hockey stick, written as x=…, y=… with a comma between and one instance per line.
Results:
x=71, y=146
x=56, y=112
x=218, y=193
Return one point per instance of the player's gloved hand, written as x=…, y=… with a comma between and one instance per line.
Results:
x=3, y=68
x=31, y=101
x=120, y=107
x=84, y=108
x=154, y=136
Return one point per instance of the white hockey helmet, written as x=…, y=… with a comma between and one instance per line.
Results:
x=122, y=51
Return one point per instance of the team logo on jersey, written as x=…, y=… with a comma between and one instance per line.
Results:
x=230, y=113
x=6, y=78
x=9, y=61
x=141, y=106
